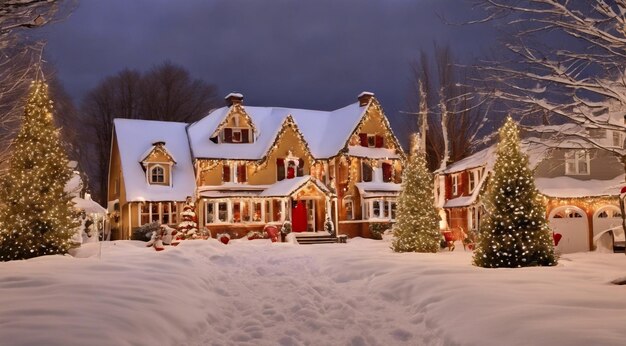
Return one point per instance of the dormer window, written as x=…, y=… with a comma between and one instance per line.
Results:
x=157, y=163
x=157, y=175
x=369, y=140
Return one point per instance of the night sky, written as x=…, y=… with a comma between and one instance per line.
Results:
x=306, y=54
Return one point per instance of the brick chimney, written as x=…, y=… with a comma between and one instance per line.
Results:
x=233, y=98
x=365, y=97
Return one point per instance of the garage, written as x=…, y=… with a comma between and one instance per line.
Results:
x=571, y=223
x=607, y=228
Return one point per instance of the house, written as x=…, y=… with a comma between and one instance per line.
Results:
x=578, y=182
x=247, y=167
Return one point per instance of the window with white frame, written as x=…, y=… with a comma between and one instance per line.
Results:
x=379, y=209
x=472, y=181
x=157, y=175
x=161, y=212
x=216, y=212
x=577, y=162
x=209, y=216
x=376, y=209
x=455, y=184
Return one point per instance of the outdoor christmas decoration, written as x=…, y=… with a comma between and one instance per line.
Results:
x=417, y=222
x=224, y=238
x=164, y=235
x=514, y=232
x=188, y=227
x=328, y=225
x=37, y=217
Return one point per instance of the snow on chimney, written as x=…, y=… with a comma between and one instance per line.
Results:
x=234, y=98
x=365, y=97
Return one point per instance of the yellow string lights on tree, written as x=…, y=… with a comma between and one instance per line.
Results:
x=38, y=216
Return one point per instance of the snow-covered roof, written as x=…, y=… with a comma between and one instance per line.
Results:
x=325, y=132
x=134, y=137
x=536, y=149
x=88, y=205
x=283, y=188
x=567, y=187
x=372, y=153
x=287, y=187
x=378, y=189
x=149, y=151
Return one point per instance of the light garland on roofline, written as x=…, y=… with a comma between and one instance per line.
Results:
x=389, y=136
x=588, y=203
x=238, y=109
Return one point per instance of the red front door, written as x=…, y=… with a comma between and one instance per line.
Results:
x=298, y=216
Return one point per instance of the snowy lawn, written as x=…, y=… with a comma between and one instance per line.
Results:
x=258, y=293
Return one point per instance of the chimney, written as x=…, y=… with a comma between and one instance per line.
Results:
x=365, y=97
x=233, y=98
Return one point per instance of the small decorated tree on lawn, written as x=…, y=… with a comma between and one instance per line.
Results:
x=514, y=232
x=37, y=216
x=417, y=222
x=188, y=227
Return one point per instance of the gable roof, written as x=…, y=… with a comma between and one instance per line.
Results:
x=161, y=146
x=134, y=137
x=315, y=127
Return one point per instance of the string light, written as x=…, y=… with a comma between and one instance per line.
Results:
x=514, y=232
x=417, y=220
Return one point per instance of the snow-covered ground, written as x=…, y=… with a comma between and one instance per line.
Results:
x=258, y=293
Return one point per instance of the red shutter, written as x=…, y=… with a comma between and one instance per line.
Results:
x=228, y=135
x=226, y=174
x=386, y=172
x=300, y=167
x=241, y=173
x=280, y=169
x=245, y=136
x=363, y=139
x=379, y=141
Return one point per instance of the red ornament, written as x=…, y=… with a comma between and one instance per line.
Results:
x=224, y=239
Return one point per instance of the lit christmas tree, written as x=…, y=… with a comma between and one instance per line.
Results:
x=37, y=217
x=514, y=232
x=417, y=222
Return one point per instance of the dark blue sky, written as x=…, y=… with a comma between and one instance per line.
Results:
x=307, y=54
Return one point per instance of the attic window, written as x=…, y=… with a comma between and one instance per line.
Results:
x=371, y=140
x=157, y=175
x=236, y=135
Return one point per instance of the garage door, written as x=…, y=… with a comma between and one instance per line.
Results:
x=571, y=223
x=606, y=218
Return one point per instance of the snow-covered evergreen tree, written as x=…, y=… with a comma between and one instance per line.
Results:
x=417, y=222
x=514, y=232
x=188, y=227
x=37, y=217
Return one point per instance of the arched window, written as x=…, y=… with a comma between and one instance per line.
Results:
x=157, y=175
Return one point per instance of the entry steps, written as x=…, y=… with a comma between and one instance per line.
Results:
x=316, y=239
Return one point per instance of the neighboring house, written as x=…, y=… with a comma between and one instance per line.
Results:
x=579, y=185
x=247, y=167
